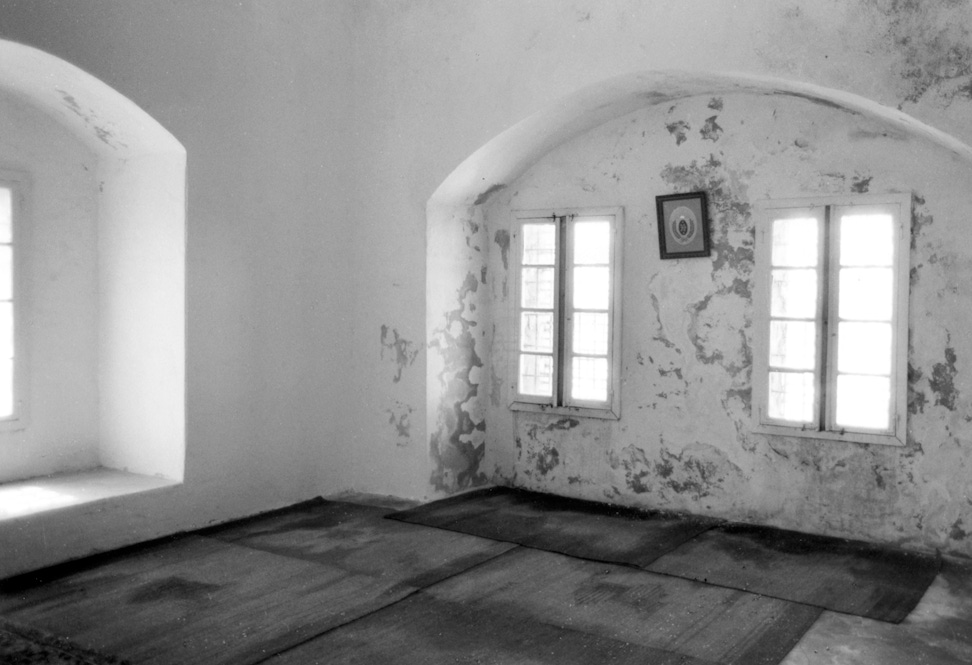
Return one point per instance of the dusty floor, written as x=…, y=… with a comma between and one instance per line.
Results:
x=336, y=582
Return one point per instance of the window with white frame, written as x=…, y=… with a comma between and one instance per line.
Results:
x=566, y=311
x=12, y=369
x=832, y=318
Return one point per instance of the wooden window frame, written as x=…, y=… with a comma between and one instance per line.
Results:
x=560, y=403
x=20, y=185
x=825, y=408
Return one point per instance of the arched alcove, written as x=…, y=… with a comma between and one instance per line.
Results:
x=139, y=182
x=458, y=310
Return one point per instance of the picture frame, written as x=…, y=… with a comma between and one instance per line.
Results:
x=683, y=225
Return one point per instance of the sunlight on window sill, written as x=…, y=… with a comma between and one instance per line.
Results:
x=38, y=495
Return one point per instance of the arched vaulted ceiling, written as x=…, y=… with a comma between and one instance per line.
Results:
x=107, y=122
x=512, y=152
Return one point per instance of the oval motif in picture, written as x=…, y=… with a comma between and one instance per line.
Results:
x=683, y=225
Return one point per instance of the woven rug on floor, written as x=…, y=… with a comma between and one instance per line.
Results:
x=20, y=645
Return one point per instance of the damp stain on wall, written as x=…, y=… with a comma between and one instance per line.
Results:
x=398, y=350
x=931, y=41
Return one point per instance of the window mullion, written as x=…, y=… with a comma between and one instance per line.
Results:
x=562, y=285
x=830, y=325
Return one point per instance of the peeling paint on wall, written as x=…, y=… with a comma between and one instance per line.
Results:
x=545, y=459
x=457, y=444
x=399, y=417
x=860, y=184
x=502, y=240
x=942, y=380
x=685, y=440
x=400, y=351
x=678, y=129
x=916, y=398
x=637, y=469
x=90, y=119
x=919, y=220
x=711, y=131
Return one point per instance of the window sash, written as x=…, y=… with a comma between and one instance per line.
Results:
x=839, y=212
x=13, y=340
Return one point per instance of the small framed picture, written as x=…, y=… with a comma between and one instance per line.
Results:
x=683, y=225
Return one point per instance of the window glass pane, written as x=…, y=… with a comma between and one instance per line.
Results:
x=592, y=242
x=863, y=401
x=536, y=331
x=590, y=333
x=536, y=375
x=795, y=242
x=6, y=330
x=539, y=244
x=791, y=396
x=6, y=388
x=592, y=287
x=6, y=272
x=794, y=294
x=866, y=294
x=537, y=289
x=793, y=344
x=864, y=348
x=6, y=214
x=866, y=240
x=589, y=379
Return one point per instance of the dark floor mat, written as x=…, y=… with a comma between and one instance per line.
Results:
x=578, y=528
x=243, y=591
x=538, y=607
x=354, y=538
x=832, y=573
x=20, y=645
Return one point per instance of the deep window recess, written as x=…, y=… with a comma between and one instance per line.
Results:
x=12, y=352
x=567, y=311
x=832, y=318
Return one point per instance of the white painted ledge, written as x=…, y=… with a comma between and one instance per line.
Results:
x=25, y=498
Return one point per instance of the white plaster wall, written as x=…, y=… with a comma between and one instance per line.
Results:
x=61, y=283
x=317, y=131
x=684, y=441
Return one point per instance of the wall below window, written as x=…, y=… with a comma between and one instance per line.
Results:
x=684, y=441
